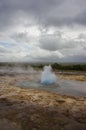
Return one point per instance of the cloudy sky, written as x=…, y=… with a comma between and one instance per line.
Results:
x=43, y=30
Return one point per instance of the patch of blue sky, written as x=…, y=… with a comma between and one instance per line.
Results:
x=6, y=44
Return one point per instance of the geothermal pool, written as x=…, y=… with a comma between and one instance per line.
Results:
x=65, y=87
x=48, y=81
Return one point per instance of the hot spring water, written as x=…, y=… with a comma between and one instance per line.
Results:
x=48, y=77
x=48, y=81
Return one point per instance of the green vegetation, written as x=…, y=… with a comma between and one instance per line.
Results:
x=63, y=67
x=66, y=67
x=55, y=66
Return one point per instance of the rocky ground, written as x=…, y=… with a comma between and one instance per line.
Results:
x=32, y=109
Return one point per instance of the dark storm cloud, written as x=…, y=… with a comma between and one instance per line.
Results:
x=81, y=18
x=56, y=42
x=45, y=12
x=51, y=42
x=69, y=13
x=32, y=8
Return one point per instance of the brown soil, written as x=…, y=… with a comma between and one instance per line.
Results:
x=32, y=109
